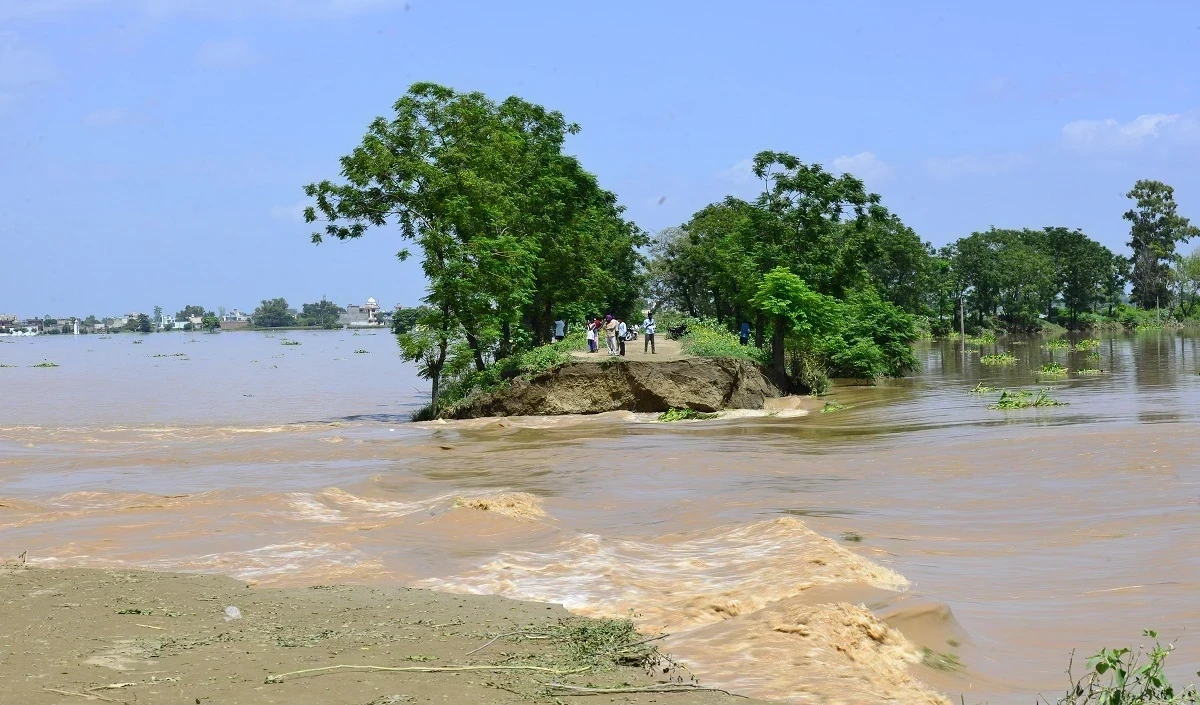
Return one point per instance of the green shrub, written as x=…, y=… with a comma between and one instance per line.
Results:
x=1128, y=677
x=707, y=338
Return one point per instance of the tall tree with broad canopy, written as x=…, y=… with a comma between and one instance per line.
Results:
x=1155, y=228
x=512, y=232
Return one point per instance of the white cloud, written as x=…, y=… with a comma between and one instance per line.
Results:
x=227, y=54
x=106, y=117
x=290, y=214
x=864, y=165
x=21, y=65
x=974, y=164
x=1112, y=136
x=740, y=173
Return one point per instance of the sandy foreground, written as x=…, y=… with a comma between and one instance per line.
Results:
x=117, y=636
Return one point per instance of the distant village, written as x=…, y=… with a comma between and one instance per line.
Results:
x=272, y=314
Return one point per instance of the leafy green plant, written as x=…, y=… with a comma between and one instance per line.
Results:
x=984, y=338
x=1052, y=369
x=46, y=363
x=1127, y=676
x=832, y=406
x=1004, y=358
x=684, y=415
x=1022, y=399
x=1059, y=344
x=707, y=338
x=1088, y=344
x=982, y=388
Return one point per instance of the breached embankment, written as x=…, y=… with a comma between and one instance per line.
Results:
x=585, y=387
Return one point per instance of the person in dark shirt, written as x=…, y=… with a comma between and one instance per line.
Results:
x=744, y=335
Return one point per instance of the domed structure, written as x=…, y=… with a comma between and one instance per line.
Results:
x=371, y=302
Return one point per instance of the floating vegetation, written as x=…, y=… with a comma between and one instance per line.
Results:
x=982, y=388
x=832, y=406
x=285, y=341
x=46, y=363
x=171, y=355
x=1021, y=399
x=2, y=365
x=1005, y=358
x=939, y=661
x=852, y=537
x=1088, y=344
x=1089, y=372
x=360, y=351
x=137, y=342
x=986, y=338
x=1059, y=344
x=684, y=415
x=1052, y=369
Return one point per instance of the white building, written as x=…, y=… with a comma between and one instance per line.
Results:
x=364, y=316
x=235, y=315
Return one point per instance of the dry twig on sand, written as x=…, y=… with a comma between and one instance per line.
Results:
x=279, y=677
x=658, y=688
x=89, y=696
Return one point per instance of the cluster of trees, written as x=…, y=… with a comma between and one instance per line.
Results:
x=275, y=313
x=512, y=232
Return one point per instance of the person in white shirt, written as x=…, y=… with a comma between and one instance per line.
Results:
x=621, y=331
x=648, y=331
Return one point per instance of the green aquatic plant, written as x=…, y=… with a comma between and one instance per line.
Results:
x=939, y=661
x=1089, y=372
x=832, y=406
x=684, y=415
x=1052, y=369
x=289, y=342
x=3, y=365
x=982, y=388
x=1128, y=676
x=852, y=537
x=46, y=363
x=360, y=352
x=1022, y=399
x=984, y=338
x=1059, y=344
x=1004, y=358
x=1088, y=344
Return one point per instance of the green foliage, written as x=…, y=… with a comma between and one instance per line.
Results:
x=322, y=314
x=45, y=363
x=1128, y=676
x=210, y=323
x=982, y=388
x=1021, y=399
x=852, y=537
x=708, y=338
x=832, y=406
x=1155, y=228
x=405, y=319
x=191, y=310
x=1052, y=369
x=684, y=415
x=940, y=661
x=273, y=313
x=1088, y=344
x=1059, y=344
x=1005, y=358
x=984, y=338
x=467, y=383
x=141, y=324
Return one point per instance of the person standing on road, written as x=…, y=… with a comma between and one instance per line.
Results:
x=592, y=334
x=610, y=333
x=622, y=331
x=648, y=331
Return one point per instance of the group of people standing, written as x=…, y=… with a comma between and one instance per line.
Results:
x=616, y=332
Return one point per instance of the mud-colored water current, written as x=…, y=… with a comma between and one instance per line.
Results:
x=914, y=537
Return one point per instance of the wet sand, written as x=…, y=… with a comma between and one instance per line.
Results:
x=74, y=635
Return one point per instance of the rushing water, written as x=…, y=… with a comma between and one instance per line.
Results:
x=1002, y=539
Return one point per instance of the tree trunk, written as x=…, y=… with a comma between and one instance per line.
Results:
x=777, y=361
x=505, y=341
x=760, y=322
x=473, y=343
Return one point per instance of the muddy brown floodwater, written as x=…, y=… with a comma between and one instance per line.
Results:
x=914, y=543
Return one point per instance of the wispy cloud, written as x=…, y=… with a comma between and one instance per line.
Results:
x=227, y=54
x=864, y=165
x=974, y=164
x=1113, y=136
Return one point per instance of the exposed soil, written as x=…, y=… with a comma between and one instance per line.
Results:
x=619, y=384
x=79, y=635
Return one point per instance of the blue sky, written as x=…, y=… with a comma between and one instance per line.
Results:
x=152, y=152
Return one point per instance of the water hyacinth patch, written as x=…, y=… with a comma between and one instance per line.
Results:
x=1022, y=399
x=998, y=359
x=1052, y=369
x=982, y=388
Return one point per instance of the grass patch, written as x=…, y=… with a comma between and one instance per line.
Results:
x=1052, y=369
x=1022, y=399
x=984, y=338
x=1088, y=344
x=998, y=359
x=982, y=388
x=45, y=363
x=684, y=415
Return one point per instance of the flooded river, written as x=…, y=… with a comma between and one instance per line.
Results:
x=996, y=542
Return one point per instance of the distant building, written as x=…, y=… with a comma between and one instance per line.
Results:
x=8, y=319
x=235, y=316
x=167, y=322
x=364, y=316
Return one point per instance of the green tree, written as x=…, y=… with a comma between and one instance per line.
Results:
x=1082, y=265
x=190, y=311
x=405, y=319
x=139, y=324
x=795, y=311
x=210, y=322
x=1155, y=228
x=273, y=313
x=157, y=314
x=323, y=314
x=1186, y=276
